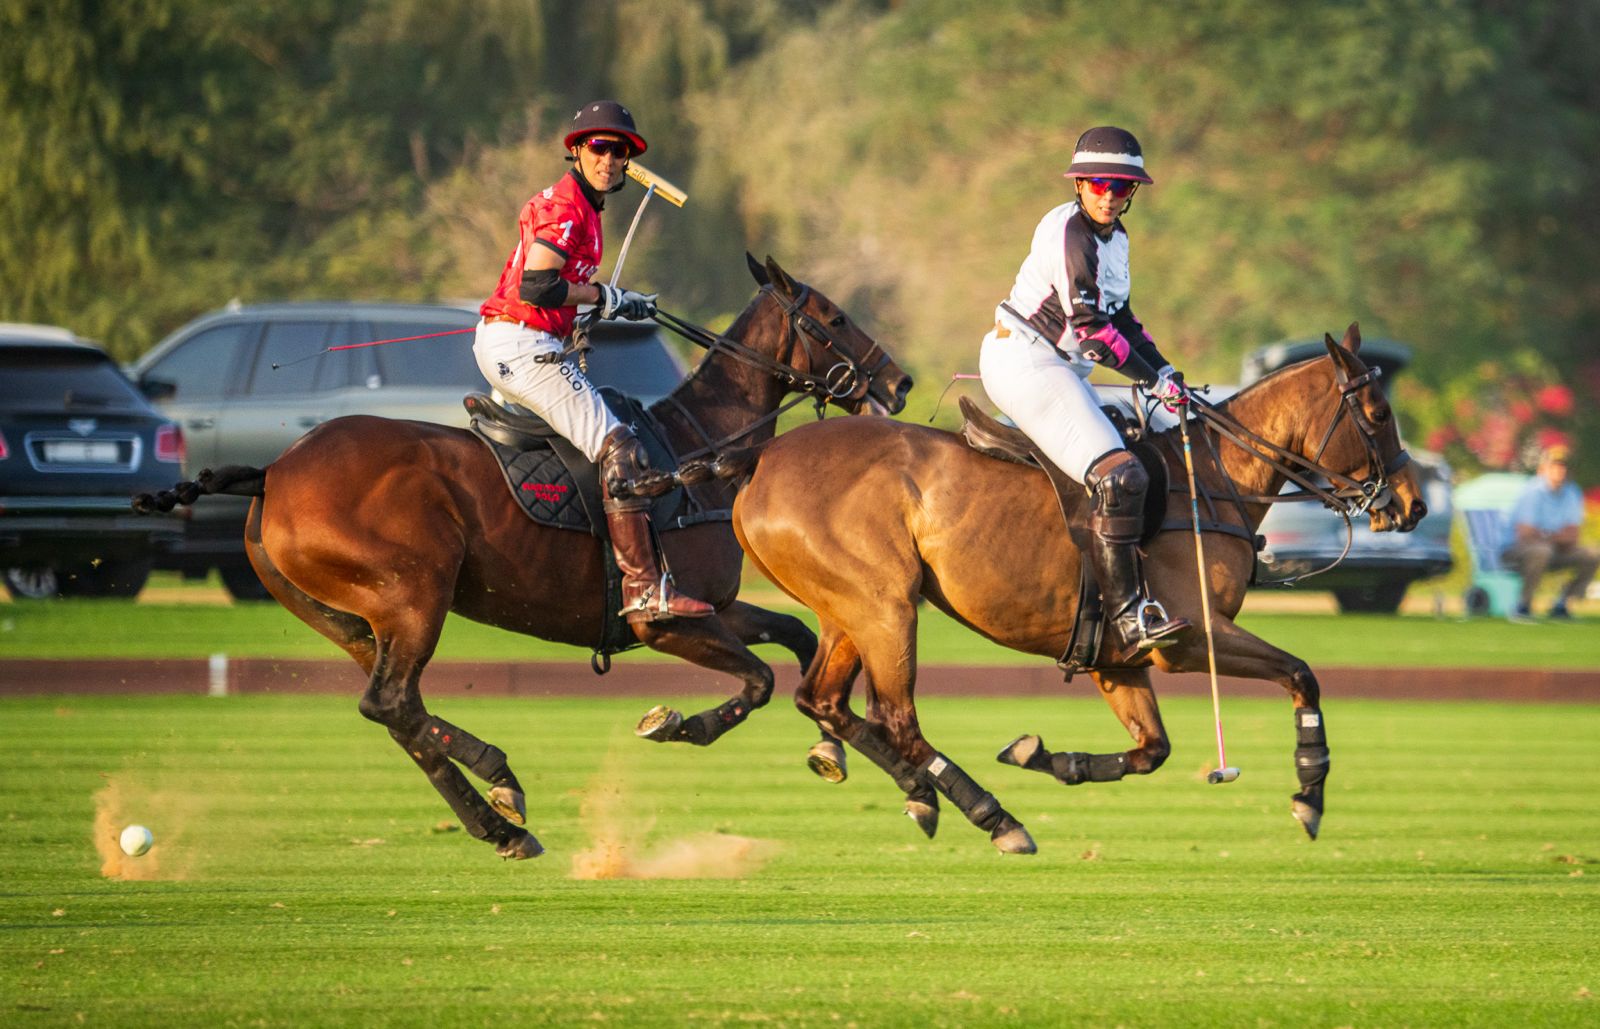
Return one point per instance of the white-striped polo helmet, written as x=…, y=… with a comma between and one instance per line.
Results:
x=1107, y=152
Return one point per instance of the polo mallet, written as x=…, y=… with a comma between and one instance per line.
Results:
x=1222, y=773
x=652, y=184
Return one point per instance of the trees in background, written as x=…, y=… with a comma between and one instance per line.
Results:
x=1420, y=165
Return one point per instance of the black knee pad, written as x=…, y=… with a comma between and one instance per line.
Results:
x=1311, y=758
x=1077, y=767
x=1118, y=510
x=977, y=803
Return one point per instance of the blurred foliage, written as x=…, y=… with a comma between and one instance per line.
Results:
x=1423, y=166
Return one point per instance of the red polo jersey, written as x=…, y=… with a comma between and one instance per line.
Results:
x=562, y=219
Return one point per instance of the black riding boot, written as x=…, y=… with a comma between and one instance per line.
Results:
x=627, y=482
x=1138, y=624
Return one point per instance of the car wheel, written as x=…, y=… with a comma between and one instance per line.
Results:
x=242, y=583
x=32, y=583
x=1379, y=598
x=108, y=578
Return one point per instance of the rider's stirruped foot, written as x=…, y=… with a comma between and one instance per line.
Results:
x=656, y=601
x=1155, y=628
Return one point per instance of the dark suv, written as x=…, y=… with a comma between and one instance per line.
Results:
x=76, y=441
x=245, y=382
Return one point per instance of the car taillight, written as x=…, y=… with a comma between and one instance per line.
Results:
x=169, y=444
x=5, y=451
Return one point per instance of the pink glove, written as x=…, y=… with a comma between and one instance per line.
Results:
x=1169, y=389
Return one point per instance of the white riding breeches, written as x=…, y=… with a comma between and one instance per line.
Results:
x=1047, y=398
x=524, y=365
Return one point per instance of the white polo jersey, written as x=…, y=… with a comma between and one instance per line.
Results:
x=1073, y=280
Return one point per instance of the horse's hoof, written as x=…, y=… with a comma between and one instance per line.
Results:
x=1020, y=751
x=826, y=758
x=510, y=804
x=520, y=847
x=1013, y=840
x=660, y=724
x=1309, y=817
x=924, y=814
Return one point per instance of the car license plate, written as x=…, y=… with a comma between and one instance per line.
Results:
x=80, y=451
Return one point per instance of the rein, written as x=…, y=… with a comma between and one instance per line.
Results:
x=844, y=380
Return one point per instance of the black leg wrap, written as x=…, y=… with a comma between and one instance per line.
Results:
x=978, y=804
x=877, y=750
x=1311, y=757
x=483, y=760
x=476, y=816
x=1076, y=767
x=704, y=728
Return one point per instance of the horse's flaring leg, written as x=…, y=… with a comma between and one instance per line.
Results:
x=922, y=802
x=1311, y=761
x=979, y=805
x=483, y=760
x=708, y=643
x=1249, y=657
x=1131, y=698
x=393, y=700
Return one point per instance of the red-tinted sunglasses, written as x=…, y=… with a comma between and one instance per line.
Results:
x=1119, y=187
x=614, y=147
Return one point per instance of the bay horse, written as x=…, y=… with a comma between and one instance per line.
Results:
x=370, y=530
x=857, y=518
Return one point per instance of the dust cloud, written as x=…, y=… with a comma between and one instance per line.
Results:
x=124, y=800
x=617, y=847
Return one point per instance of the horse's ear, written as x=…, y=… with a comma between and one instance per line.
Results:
x=780, y=278
x=759, y=273
x=1352, y=338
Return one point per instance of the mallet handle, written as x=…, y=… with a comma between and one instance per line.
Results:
x=1205, y=586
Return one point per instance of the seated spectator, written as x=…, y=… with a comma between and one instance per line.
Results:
x=1544, y=526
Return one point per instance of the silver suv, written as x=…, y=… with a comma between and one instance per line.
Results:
x=247, y=381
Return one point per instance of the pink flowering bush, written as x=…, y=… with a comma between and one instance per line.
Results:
x=1498, y=415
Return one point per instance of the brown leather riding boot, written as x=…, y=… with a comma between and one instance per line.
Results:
x=647, y=594
x=1138, y=624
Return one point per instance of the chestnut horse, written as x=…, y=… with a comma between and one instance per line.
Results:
x=856, y=518
x=370, y=530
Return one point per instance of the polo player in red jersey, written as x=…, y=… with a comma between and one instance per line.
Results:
x=521, y=340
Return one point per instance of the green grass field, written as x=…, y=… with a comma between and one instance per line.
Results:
x=300, y=879
x=109, y=628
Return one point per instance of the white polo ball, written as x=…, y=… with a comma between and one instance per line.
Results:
x=136, y=840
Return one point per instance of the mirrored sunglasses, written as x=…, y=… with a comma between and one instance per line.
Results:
x=1119, y=187
x=603, y=147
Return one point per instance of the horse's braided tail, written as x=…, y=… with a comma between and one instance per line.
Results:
x=738, y=463
x=234, y=480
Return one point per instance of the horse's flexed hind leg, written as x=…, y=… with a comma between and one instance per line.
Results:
x=1249, y=657
x=1128, y=692
x=719, y=643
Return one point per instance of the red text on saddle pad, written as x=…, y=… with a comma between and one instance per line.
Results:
x=549, y=492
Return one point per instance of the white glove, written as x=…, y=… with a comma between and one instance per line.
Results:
x=1169, y=389
x=625, y=303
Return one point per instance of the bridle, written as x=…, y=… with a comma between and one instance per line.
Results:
x=1343, y=494
x=847, y=379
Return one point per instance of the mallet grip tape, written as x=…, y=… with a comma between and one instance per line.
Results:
x=664, y=189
